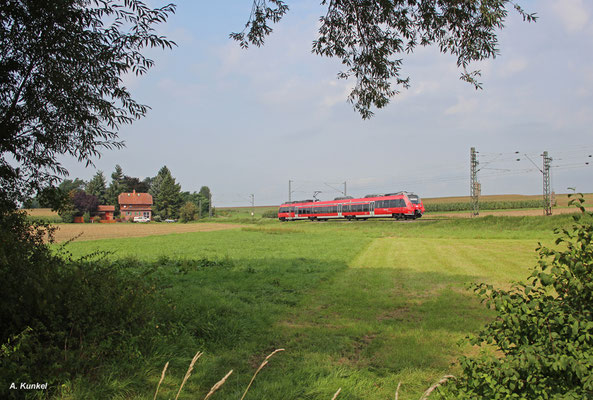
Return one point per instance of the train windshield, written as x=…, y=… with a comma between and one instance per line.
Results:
x=414, y=198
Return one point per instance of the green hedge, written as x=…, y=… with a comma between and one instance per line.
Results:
x=484, y=205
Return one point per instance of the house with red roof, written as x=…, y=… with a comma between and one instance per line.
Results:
x=135, y=205
x=105, y=212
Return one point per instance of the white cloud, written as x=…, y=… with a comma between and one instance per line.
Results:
x=513, y=67
x=463, y=106
x=572, y=13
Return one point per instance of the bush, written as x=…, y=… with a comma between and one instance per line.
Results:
x=543, y=333
x=188, y=212
x=270, y=214
x=96, y=219
x=67, y=212
x=157, y=218
x=63, y=317
x=86, y=217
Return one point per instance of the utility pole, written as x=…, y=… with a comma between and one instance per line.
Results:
x=474, y=186
x=289, y=191
x=547, y=192
x=210, y=204
x=547, y=195
x=345, y=193
x=252, y=205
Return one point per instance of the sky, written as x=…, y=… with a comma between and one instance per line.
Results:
x=247, y=121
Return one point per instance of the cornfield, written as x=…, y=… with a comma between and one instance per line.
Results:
x=485, y=205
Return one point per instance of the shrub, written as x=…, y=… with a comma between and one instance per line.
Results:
x=62, y=317
x=188, y=212
x=67, y=212
x=543, y=333
x=157, y=218
x=86, y=217
x=270, y=214
x=96, y=219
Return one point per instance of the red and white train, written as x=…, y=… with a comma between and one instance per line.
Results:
x=400, y=205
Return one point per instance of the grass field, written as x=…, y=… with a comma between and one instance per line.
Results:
x=357, y=305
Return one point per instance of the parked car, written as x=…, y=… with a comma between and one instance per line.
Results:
x=170, y=220
x=141, y=219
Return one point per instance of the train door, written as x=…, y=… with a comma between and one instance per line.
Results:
x=339, y=210
x=372, y=208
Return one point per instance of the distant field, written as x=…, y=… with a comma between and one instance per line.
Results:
x=561, y=199
x=41, y=212
x=123, y=230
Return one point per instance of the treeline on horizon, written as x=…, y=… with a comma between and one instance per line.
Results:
x=76, y=197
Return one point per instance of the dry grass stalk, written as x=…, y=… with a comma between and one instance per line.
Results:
x=436, y=385
x=161, y=381
x=188, y=373
x=263, y=364
x=218, y=385
x=337, y=393
x=397, y=391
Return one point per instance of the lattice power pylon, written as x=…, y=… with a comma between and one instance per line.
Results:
x=547, y=191
x=474, y=186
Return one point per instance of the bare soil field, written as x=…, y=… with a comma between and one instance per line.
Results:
x=118, y=230
x=41, y=212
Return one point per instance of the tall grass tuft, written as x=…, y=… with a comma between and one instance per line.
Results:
x=161, y=381
x=336, y=394
x=263, y=364
x=218, y=385
x=189, y=370
x=436, y=385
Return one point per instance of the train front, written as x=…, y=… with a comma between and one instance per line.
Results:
x=417, y=203
x=286, y=212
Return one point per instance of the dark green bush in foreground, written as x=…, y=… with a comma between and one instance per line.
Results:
x=62, y=317
x=543, y=333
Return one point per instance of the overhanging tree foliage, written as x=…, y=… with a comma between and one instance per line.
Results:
x=370, y=37
x=61, y=82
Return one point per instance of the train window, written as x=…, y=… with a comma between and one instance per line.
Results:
x=365, y=207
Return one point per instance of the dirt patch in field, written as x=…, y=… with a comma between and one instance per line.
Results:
x=121, y=230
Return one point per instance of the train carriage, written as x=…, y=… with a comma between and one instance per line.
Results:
x=400, y=205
